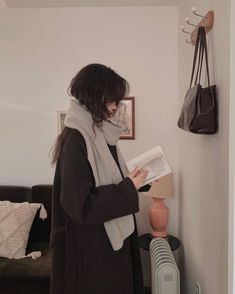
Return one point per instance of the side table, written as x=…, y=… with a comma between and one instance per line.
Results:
x=145, y=239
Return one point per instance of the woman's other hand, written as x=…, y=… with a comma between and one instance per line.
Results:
x=138, y=177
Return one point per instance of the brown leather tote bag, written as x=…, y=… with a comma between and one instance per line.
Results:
x=199, y=110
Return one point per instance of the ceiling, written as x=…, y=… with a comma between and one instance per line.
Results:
x=74, y=3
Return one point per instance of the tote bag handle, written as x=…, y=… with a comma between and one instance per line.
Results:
x=203, y=35
x=200, y=48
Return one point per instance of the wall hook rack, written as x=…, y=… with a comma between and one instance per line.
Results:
x=187, y=41
x=187, y=20
x=194, y=11
x=207, y=21
x=183, y=30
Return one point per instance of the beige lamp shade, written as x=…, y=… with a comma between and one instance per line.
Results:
x=163, y=188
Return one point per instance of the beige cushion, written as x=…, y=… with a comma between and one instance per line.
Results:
x=15, y=223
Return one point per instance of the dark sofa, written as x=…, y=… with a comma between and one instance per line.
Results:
x=29, y=275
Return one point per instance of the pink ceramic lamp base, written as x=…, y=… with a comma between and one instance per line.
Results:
x=158, y=215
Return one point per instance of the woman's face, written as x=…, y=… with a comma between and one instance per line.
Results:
x=112, y=108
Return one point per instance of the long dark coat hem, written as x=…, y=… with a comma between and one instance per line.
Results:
x=83, y=260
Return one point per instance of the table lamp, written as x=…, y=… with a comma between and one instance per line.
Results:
x=158, y=212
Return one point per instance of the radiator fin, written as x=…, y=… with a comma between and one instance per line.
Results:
x=165, y=278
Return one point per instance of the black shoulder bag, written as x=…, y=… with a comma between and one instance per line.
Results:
x=199, y=111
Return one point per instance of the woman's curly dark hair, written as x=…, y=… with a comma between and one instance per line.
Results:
x=94, y=86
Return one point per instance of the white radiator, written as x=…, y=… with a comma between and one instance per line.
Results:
x=165, y=277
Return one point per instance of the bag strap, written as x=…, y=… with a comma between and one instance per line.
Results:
x=199, y=53
x=206, y=53
x=200, y=62
x=195, y=55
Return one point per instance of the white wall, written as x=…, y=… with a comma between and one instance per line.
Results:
x=42, y=49
x=204, y=166
x=231, y=256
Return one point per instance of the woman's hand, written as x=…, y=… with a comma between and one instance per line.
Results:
x=138, y=177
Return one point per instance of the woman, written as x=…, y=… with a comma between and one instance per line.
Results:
x=94, y=235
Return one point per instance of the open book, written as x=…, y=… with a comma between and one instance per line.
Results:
x=154, y=161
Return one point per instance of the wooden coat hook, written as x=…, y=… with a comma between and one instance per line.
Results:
x=207, y=22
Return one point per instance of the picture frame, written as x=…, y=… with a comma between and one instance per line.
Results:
x=60, y=120
x=125, y=117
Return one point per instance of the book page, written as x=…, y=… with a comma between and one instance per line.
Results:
x=147, y=160
x=155, y=168
x=154, y=161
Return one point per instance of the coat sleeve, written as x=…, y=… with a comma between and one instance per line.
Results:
x=82, y=201
x=145, y=188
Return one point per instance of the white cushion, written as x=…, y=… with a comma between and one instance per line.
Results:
x=15, y=223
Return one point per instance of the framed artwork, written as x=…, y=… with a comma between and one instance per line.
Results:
x=125, y=117
x=60, y=120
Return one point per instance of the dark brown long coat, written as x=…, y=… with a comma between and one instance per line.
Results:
x=83, y=260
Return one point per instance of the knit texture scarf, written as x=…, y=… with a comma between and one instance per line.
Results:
x=104, y=167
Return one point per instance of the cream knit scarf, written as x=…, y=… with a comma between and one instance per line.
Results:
x=104, y=167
